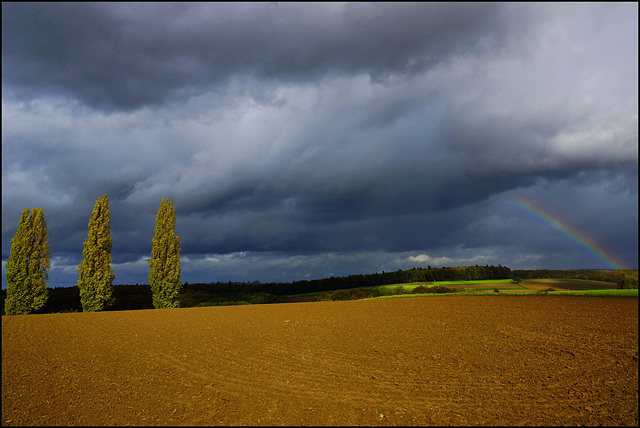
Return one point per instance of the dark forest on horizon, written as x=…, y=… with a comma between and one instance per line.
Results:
x=133, y=297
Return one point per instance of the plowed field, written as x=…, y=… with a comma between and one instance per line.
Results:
x=463, y=360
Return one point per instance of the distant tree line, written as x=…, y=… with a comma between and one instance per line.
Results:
x=465, y=273
x=129, y=297
x=132, y=297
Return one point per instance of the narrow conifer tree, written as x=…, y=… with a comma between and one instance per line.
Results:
x=164, y=265
x=28, y=264
x=95, y=272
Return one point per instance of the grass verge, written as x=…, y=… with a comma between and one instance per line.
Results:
x=597, y=293
x=606, y=292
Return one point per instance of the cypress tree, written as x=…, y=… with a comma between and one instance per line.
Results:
x=164, y=265
x=28, y=264
x=95, y=272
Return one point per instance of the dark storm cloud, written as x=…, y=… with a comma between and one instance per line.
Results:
x=304, y=140
x=123, y=56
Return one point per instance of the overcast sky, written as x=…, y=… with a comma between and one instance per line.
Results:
x=301, y=141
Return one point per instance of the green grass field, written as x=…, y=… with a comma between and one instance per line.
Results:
x=476, y=282
x=503, y=286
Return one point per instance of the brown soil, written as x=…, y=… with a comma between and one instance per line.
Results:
x=461, y=360
x=562, y=284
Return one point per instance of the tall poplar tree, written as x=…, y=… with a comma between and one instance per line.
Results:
x=28, y=264
x=95, y=272
x=164, y=273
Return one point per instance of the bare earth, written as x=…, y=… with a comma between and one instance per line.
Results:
x=461, y=360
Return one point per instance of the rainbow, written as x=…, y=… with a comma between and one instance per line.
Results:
x=582, y=238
